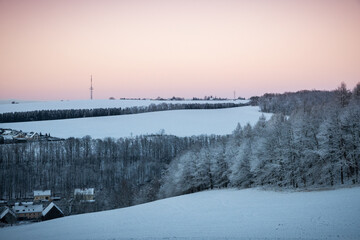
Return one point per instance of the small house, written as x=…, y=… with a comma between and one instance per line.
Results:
x=3, y=202
x=7, y=215
x=8, y=138
x=55, y=198
x=20, y=135
x=6, y=132
x=52, y=211
x=42, y=195
x=28, y=211
x=32, y=136
x=85, y=194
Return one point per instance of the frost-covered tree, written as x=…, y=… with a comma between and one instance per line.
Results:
x=220, y=166
x=241, y=169
x=356, y=93
x=238, y=134
x=350, y=126
x=343, y=95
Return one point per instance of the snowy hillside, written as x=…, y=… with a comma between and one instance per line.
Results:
x=176, y=122
x=219, y=214
x=22, y=106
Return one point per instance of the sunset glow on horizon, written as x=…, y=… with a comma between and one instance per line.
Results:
x=146, y=49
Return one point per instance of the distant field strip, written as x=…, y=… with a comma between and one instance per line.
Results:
x=22, y=106
x=42, y=115
x=40, y=111
x=177, y=122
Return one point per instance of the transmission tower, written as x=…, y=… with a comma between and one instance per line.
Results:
x=91, y=89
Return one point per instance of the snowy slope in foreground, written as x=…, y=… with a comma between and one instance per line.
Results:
x=24, y=106
x=176, y=122
x=219, y=214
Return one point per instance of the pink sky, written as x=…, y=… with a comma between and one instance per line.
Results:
x=49, y=49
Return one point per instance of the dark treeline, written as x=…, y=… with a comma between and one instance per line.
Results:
x=286, y=103
x=123, y=171
x=316, y=146
x=41, y=115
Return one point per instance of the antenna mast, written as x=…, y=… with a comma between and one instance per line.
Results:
x=91, y=89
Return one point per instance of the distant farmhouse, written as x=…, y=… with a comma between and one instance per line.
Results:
x=42, y=195
x=85, y=194
x=42, y=207
x=28, y=211
x=32, y=136
x=14, y=136
x=7, y=135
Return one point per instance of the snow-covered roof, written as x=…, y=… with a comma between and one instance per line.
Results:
x=28, y=208
x=19, y=135
x=42, y=193
x=7, y=137
x=84, y=191
x=4, y=211
x=23, y=203
x=87, y=201
x=7, y=132
x=31, y=134
x=48, y=208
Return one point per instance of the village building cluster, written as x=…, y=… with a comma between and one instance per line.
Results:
x=84, y=194
x=15, y=136
x=42, y=207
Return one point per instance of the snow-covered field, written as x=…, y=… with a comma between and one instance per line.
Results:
x=176, y=122
x=23, y=106
x=218, y=214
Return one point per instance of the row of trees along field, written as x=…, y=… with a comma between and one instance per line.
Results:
x=314, y=146
x=41, y=115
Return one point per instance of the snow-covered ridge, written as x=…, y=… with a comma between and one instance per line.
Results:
x=218, y=214
x=177, y=122
x=92, y=104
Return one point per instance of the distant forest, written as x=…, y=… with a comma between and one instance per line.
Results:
x=41, y=115
x=123, y=171
x=311, y=141
x=316, y=145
